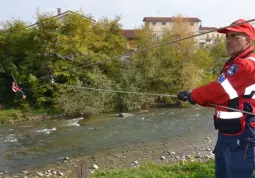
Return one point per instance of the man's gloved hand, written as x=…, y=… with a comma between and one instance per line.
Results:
x=185, y=96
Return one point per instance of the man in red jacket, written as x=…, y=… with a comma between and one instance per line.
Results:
x=234, y=89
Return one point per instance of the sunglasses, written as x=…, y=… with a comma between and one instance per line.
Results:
x=234, y=36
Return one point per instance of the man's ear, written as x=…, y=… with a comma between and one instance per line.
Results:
x=249, y=41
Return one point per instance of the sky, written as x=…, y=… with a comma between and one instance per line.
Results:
x=212, y=13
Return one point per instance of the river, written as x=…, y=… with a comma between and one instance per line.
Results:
x=41, y=142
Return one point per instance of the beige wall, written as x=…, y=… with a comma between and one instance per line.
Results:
x=209, y=38
x=159, y=27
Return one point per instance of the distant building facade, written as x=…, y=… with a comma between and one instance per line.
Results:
x=209, y=38
x=159, y=24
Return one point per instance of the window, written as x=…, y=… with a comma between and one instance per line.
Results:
x=158, y=38
x=201, y=45
x=163, y=23
x=192, y=23
x=154, y=23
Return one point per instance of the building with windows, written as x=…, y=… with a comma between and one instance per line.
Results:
x=159, y=24
x=209, y=38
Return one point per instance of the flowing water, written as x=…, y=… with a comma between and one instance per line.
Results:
x=42, y=142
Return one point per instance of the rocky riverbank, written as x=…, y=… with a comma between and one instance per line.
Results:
x=164, y=151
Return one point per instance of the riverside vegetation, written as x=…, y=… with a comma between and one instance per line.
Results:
x=60, y=50
x=179, y=170
x=190, y=169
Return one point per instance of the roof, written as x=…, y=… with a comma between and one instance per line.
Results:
x=170, y=19
x=129, y=34
x=64, y=14
x=208, y=28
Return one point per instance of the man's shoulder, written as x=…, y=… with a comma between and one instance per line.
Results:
x=247, y=60
x=251, y=57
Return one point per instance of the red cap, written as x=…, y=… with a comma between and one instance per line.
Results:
x=246, y=28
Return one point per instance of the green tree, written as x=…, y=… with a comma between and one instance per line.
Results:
x=219, y=55
x=95, y=43
x=17, y=50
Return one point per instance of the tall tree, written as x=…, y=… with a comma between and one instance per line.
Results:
x=17, y=50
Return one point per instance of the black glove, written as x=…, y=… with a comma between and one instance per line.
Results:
x=185, y=96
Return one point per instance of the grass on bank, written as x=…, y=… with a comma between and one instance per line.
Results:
x=13, y=115
x=180, y=170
